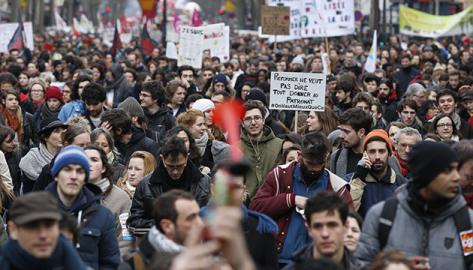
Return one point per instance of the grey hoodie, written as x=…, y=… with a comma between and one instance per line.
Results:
x=442, y=241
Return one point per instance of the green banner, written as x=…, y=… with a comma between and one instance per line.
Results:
x=417, y=23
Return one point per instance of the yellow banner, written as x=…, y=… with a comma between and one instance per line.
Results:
x=417, y=23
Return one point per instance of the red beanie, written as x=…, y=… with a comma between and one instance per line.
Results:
x=53, y=92
x=378, y=134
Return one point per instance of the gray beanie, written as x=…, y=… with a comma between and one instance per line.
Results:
x=132, y=107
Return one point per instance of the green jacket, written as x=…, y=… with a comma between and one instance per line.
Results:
x=262, y=155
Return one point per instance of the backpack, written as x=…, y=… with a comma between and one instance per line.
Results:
x=386, y=220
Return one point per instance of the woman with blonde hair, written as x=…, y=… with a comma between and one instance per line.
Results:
x=140, y=164
x=210, y=150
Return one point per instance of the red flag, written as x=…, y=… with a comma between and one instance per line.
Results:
x=147, y=44
x=149, y=8
x=117, y=43
x=196, y=18
x=228, y=116
x=17, y=41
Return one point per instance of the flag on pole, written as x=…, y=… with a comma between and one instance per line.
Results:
x=117, y=43
x=147, y=44
x=370, y=64
x=60, y=23
x=17, y=41
x=196, y=19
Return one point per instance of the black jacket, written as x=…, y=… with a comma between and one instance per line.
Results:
x=300, y=256
x=138, y=142
x=159, y=123
x=153, y=185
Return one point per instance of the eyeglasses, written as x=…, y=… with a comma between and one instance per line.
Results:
x=173, y=168
x=404, y=146
x=249, y=120
x=444, y=125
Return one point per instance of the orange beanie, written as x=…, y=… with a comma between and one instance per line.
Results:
x=378, y=134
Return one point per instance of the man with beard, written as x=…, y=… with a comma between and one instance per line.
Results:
x=404, y=74
x=354, y=125
x=427, y=219
x=94, y=98
x=174, y=214
x=284, y=193
x=374, y=180
x=464, y=150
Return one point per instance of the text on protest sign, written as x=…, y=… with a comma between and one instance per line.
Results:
x=190, y=47
x=318, y=18
x=297, y=91
x=275, y=20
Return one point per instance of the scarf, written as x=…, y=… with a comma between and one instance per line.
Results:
x=161, y=243
x=404, y=166
x=63, y=257
x=201, y=143
x=46, y=113
x=103, y=184
x=457, y=120
x=15, y=122
x=34, y=161
x=423, y=207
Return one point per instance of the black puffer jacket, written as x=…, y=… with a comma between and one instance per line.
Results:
x=155, y=184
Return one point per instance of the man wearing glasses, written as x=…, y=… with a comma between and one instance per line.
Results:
x=283, y=194
x=174, y=171
x=405, y=140
x=259, y=145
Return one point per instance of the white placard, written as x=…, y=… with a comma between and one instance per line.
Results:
x=8, y=29
x=190, y=47
x=171, y=50
x=318, y=18
x=297, y=91
x=220, y=44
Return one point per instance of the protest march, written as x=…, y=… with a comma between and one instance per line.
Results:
x=236, y=134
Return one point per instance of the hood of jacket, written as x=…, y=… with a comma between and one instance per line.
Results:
x=268, y=135
x=89, y=196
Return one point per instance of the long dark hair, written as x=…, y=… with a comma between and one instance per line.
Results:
x=108, y=169
x=194, y=154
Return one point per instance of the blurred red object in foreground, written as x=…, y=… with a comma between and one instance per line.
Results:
x=227, y=116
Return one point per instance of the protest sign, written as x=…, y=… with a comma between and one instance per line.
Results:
x=317, y=18
x=171, y=50
x=8, y=29
x=327, y=18
x=217, y=40
x=417, y=23
x=275, y=20
x=297, y=91
x=190, y=46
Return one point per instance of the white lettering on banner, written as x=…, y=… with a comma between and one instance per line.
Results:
x=190, y=51
x=297, y=91
x=317, y=18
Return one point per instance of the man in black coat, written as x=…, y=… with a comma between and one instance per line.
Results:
x=174, y=171
x=160, y=118
x=128, y=138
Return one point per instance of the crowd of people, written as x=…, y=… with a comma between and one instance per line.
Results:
x=117, y=161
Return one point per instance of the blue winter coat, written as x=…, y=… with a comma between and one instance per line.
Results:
x=98, y=246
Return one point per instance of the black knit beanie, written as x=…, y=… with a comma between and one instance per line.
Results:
x=427, y=160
